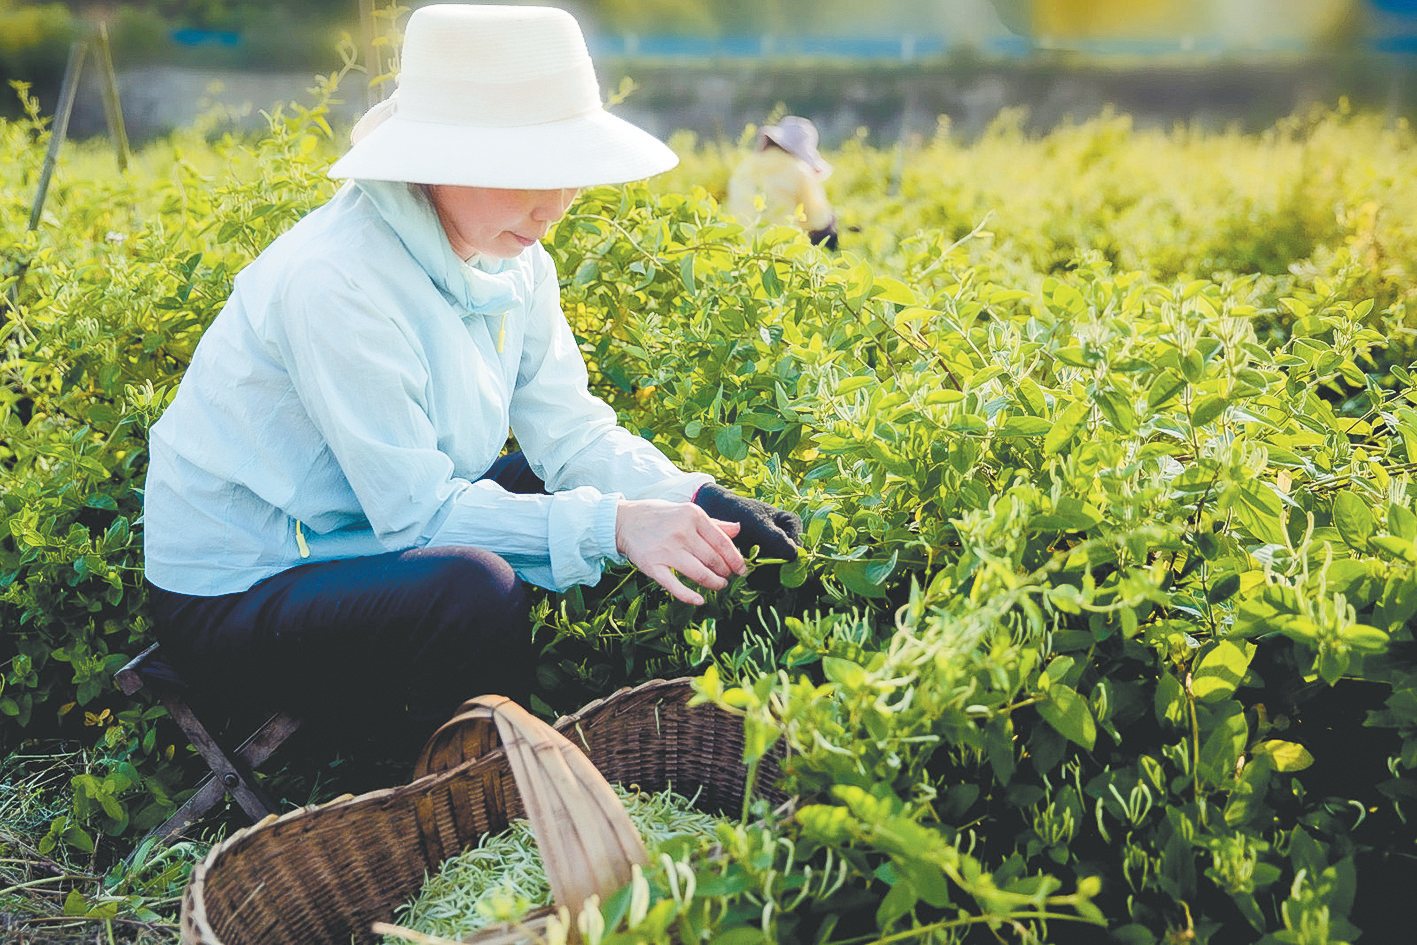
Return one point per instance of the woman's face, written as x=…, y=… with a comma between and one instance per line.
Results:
x=498, y=223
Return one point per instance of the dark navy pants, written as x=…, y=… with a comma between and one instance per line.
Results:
x=392, y=642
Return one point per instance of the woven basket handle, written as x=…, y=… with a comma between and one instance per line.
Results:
x=587, y=842
x=467, y=736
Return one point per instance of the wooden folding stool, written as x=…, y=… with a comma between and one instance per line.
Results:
x=232, y=772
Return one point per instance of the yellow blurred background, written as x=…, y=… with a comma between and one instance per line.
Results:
x=1229, y=23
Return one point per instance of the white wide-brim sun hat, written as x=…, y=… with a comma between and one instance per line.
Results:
x=502, y=97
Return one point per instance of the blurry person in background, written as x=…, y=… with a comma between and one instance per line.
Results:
x=330, y=507
x=781, y=181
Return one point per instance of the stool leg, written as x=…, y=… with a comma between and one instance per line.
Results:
x=202, y=800
x=267, y=738
x=252, y=752
x=233, y=773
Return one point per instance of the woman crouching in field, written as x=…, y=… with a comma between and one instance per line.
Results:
x=328, y=509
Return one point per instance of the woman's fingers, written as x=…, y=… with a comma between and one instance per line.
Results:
x=666, y=578
x=669, y=540
x=721, y=550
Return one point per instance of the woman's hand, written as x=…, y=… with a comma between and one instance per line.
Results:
x=774, y=531
x=662, y=538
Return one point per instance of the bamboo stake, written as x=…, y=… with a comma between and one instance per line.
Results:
x=58, y=131
x=112, y=109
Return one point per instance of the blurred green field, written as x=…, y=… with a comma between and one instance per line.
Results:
x=1325, y=193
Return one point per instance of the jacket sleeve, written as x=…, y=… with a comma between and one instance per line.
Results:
x=570, y=437
x=366, y=395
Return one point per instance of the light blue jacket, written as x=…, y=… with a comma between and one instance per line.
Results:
x=355, y=386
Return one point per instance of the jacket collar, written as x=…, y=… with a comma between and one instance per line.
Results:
x=486, y=286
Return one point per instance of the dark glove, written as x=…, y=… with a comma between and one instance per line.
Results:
x=773, y=530
x=826, y=236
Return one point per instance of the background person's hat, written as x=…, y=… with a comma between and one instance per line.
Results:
x=798, y=137
x=498, y=96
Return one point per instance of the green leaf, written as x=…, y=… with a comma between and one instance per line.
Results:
x=1069, y=714
x=1068, y=299
x=1069, y=422
x=738, y=935
x=1070, y=514
x=586, y=273
x=1398, y=603
x=1365, y=639
x=865, y=576
x=75, y=903
x=1166, y=386
x=1024, y=426
x=1246, y=803
x=1067, y=598
x=999, y=748
x=896, y=904
x=1223, y=588
x=1332, y=664
x=78, y=838
x=1284, y=756
x=729, y=441
x=1222, y=748
x=794, y=573
x=1221, y=670
x=1402, y=522
x=772, y=282
x=1353, y=520
x=893, y=290
x=686, y=272
x=852, y=384
x=1260, y=510
x=1394, y=548
x=1117, y=408
x=1169, y=702
x=1060, y=669
x=1134, y=934
x=1207, y=409
x=927, y=880
x=843, y=672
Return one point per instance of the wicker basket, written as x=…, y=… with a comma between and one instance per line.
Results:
x=325, y=874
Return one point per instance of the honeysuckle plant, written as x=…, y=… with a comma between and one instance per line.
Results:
x=1103, y=611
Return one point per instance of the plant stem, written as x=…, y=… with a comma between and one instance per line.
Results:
x=748, y=788
x=1195, y=751
x=959, y=923
x=67, y=877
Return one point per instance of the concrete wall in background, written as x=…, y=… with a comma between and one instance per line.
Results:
x=892, y=102
x=719, y=101
x=158, y=99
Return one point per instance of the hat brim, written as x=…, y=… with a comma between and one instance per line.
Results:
x=794, y=146
x=595, y=148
